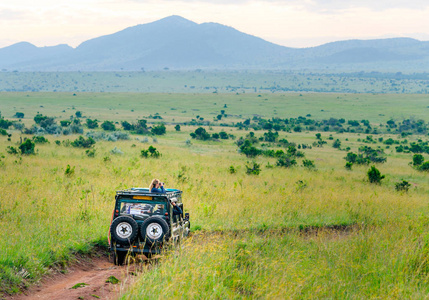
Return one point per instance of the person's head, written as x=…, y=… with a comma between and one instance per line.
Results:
x=154, y=184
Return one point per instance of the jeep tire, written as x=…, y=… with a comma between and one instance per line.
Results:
x=154, y=230
x=124, y=230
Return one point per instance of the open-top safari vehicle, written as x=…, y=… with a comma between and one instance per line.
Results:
x=144, y=222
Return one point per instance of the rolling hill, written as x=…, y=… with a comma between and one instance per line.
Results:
x=180, y=44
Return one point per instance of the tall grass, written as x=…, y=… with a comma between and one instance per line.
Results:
x=265, y=236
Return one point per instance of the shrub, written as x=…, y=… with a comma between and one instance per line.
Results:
x=286, y=161
x=19, y=115
x=90, y=152
x=253, y=169
x=11, y=150
x=232, y=170
x=309, y=164
x=150, y=152
x=27, y=147
x=418, y=159
x=69, y=171
x=18, y=125
x=374, y=175
x=5, y=123
x=337, y=144
x=108, y=126
x=424, y=166
x=249, y=150
x=40, y=140
x=126, y=125
x=3, y=132
x=223, y=135
x=177, y=127
x=81, y=142
x=402, y=186
x=91, y=124
x=200, y=134
x=116, y=151
x=348, y=165
x=159, y=129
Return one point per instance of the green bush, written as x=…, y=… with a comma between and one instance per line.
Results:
x=40, y=140
x=150, y=152
x=11, y=150
x=159, y=129
x=90, y=152
x=91, y=124
x=253, y=169
x=374, y=175
x=309, y=164
x=418, y=159
x=337, y=144
x=27, y=147
x=424, y=166
x=286, y=161
x=402, y=186
x=81, y=142
x=108, y=126
x=232, y=170
x=200, y=134
x=69, y=171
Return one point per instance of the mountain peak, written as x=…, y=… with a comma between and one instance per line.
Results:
x=175, y=19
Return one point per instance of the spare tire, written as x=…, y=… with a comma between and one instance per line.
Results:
x=124, y=230
x=154, y=230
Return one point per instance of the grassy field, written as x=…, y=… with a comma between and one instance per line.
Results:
x=285, y=233
x=199, y=81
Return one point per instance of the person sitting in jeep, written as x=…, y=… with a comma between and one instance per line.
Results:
x=176, y=209
x=156, y=186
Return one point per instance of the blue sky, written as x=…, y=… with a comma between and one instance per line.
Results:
x=293, y=23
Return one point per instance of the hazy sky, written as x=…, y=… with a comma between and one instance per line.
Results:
x=294, y=23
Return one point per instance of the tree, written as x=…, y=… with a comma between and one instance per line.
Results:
x=177, y=127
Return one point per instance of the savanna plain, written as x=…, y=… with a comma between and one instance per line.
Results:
x=297, y=218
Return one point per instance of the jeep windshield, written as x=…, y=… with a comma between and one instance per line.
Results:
x=142, y=209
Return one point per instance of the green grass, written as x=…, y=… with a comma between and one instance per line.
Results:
x=286, y=233
x=184, y=107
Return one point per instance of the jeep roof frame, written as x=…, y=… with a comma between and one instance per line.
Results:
x=169, y=194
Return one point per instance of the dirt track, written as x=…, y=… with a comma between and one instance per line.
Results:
x=93, y=273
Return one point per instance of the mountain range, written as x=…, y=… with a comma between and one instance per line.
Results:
x=176, y=43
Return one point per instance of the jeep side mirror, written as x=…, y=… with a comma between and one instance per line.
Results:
x=187, y=216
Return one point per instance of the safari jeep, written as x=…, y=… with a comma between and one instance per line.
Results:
x=143, y=222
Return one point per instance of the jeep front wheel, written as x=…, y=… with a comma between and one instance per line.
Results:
x=124, y=230
x=154, y=230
